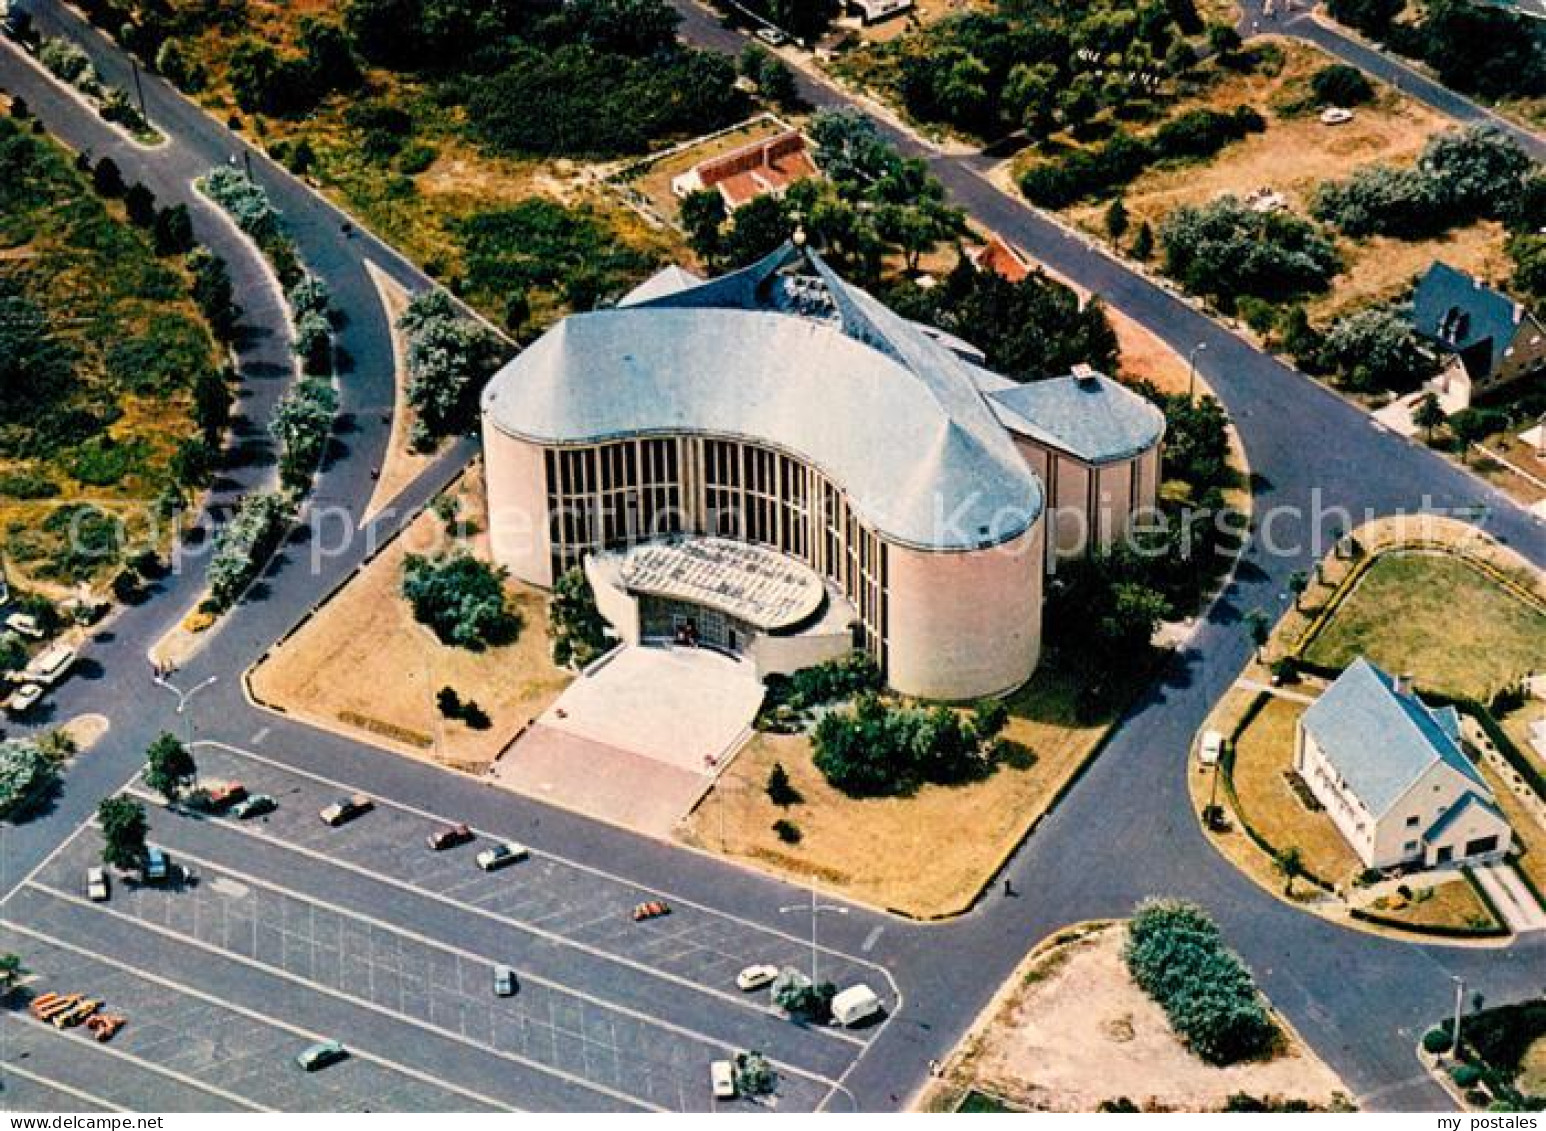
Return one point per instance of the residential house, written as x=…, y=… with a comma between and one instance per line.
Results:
x=1481, y=338
x=1391, y=773
x=769, y=165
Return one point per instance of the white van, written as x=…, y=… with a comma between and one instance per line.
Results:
x=855, y=1004
x=722, y=1079
x=50, y=666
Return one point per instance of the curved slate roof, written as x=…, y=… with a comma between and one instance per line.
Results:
x=803, y=362
x=1090, y=417
x=1382, y=740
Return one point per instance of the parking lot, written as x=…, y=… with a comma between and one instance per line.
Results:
x=279, y=930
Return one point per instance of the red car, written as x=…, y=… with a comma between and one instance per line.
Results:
x=224, y=796
x=448, y=836
x=653, y=909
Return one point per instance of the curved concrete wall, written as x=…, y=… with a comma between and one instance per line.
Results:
x=965, y=625
x=517, y=506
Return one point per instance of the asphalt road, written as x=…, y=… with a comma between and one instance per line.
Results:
x=1125, y=832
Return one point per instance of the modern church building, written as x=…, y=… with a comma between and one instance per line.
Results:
x=775, y=464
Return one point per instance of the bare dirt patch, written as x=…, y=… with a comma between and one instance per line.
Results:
x=364, y=666
x=1071, y=1030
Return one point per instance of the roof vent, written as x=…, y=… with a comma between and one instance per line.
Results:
x=1085, y=374
x=1402, y=684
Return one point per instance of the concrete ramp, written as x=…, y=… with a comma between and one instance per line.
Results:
x=1519, y=908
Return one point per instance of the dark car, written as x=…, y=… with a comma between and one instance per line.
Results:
x=448, y=836
x=224, y=796
x=346, y=809
x=320, y=1055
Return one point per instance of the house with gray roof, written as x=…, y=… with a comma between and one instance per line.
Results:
x=1481, y=338
x=1393, y=776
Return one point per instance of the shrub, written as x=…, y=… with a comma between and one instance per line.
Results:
x=1376, y=348
x=1338, y=84
x=878, y=750
x=311, y=296
x=1175, y=955
x=301, y=424
x=779, y=789
x=475, y=716
x=242, y=545
x=1436, y=1041
x=577, y=628
x=314, y=343
x=1225, y=250
x=787, y=831
x=449, y=359
x=461, y=599
x=25, y=772
x=449, y=702
x=1466, y=1075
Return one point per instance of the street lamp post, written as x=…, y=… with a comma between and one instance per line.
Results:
x=815, y=909
x=184, y=698
x=1459, y=1008
x=1191, y=370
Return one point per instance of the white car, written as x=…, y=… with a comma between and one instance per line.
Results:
x=1336, y=116
x=1210, y=749
x=722, y=1079
x=772, y=36
x=755, y=977
x=96, y=885
x=501, y=854
x=25, y=624
x=24, y=698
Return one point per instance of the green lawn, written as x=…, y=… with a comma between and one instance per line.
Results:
x=1438, y=618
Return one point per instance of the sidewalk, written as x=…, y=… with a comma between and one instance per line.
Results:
x=1519, y=908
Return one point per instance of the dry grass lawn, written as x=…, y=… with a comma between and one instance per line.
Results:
x=1532, y=1069
x=364, y=666
x=1443, y=905
x=926, y=855
x=1404, y=614
x=1295, y=154
x=1529, y=834
x=1073, y=1031
x=1263, y=752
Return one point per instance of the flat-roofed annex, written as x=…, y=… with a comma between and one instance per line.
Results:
x=753, y=583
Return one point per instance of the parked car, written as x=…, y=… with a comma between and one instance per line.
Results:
x=772, y=36
x=346, y=809
x=254, y=806
x=24, y=698
x=722, y=1079
x=97, y=889
x=227, y=795
x=448, y=836
x=506, y=852
x=157, y=867
x=320, y=1055
x=755, y=977
x=51, y=665
x=504, y=981
x=24, y=624
x=650, y=909
x=1211, y=749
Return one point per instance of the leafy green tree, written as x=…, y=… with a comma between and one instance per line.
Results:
x=1428, y=414
x=449, y=359
x=1338, y=84
x=754, y=1074
x=124, y=829
x=1259, y=627
x=13, y=652
x=1298, y=582
x=1470, y=426
x=1031, y=97
x=1143, y=242
x=703, y=217
x=243, y=544
x=169, y=767
x=1116, y=220
x=461, y=599
x=1376, y=348
x=25, y=773
x=212, y=292
x=302, y=421
x=107, y=179
x=1225, y=249
x=140, y=205
x=578, y=629
x=11, y=971
x=173, y=230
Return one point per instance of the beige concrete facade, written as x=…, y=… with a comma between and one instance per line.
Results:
x=1090, y=506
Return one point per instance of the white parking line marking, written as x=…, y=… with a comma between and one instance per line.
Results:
x=372, y=1007
x=549, y=936
x=58, y=1086
x=263, y=732
x=50, y=858
x=586, y=868
x=871, y=939
x=251, y=1015
x=156, y=1069
x=483, y=960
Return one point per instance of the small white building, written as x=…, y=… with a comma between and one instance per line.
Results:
x=1392, y=775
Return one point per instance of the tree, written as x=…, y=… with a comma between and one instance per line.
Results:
x=449, y=359
x=1143, y=242
x=1116, y=220
x=124, y=829
x=779, y=789
x=212, y=292
x=517, y=312
x=989, y=718
x=461, y=599
x=578, y=629
x=11, y=971
x=1428, y=414
x=13, y=652
x=703, y=217
x=1259, y=628
x=1223, y=40
x=169, y=767
x=173, y=230
x=25, y=774
x=140, y=205
x=301, y=424
x=754, y=1074
x=1225, y=250
x=1470, y=426
x=1289, y=863
x=243, y=544
x=1338, y=84
x=1030, y=97
x=106, y=178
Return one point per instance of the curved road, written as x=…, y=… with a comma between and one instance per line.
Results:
x=1125, y=832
